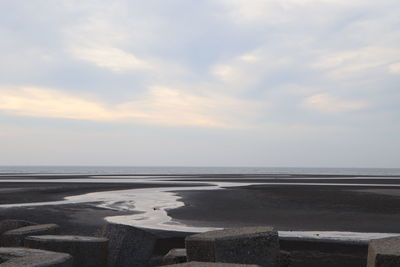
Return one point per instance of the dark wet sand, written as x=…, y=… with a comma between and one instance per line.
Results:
x=333, y=208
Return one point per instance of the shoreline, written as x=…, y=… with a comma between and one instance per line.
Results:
x=199, y=207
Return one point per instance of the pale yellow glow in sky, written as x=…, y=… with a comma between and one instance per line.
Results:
x=161, y=105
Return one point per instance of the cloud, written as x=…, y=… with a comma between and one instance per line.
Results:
x=111, y=58
x=123, y=62
x=326, y=103
x=250, y=72
x=41, y=102
x=171, y=106
x=120, y=37
x=244, y=71
x=159, y=105
x=394, y=68
x=345, y=63
x=274, y=12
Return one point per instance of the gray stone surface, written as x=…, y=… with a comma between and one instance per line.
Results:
x=128, y=246
x=387, y=261
x=176, y=255
x=384, y=252
x=7, y=225
x=211, y=264
x=87, y=251
x=284, y=259
x=15, y=238
x=24, y=257
x=324, y=253
x=245, y=245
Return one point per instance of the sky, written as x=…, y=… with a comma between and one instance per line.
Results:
x=295, y=83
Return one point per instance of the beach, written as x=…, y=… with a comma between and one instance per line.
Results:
x=297, y=207
x=296, y=202
x=330, y=204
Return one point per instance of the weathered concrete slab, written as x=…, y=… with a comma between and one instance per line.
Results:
x=174, y=256
x=25, y=257
x=15, y=238
x=284, y=259
x=7, y=225
x=128, y=246
x=245, y=245
x=87, y=251
x=324, y=252
x=211, y=264
x=384, y=252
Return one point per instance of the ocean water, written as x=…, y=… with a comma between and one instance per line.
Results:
x=126, y=170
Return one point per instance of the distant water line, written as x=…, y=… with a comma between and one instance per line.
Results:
x=115, y=170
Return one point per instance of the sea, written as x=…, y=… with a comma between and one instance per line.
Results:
x=129, y=170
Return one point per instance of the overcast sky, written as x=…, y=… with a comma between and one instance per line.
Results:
x=200, y=83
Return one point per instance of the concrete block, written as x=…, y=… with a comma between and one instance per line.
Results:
x=246, y=245
x=156, y=260
x=210, y=264
x=15, y=238
x=25, y=257
x=324, y=252
x=176, y=255
x=384, y=252
x=87, y=251
x=7, y=225
x=284, y=259
x=128, y=245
